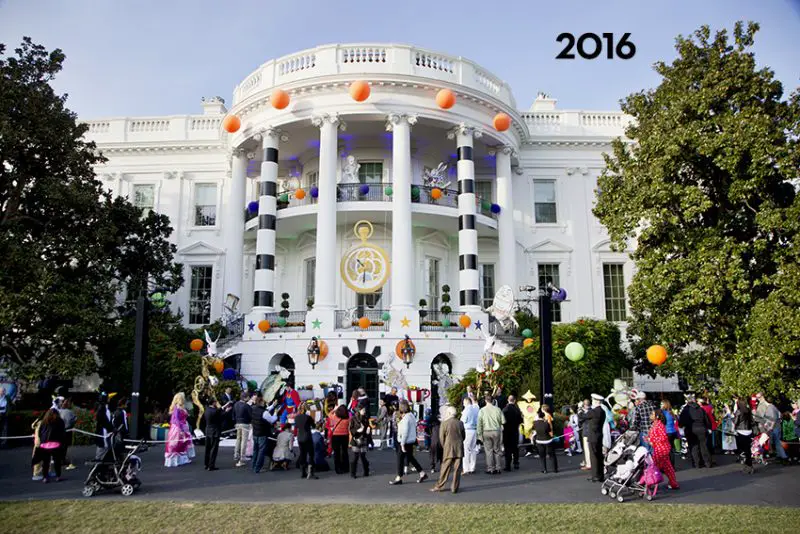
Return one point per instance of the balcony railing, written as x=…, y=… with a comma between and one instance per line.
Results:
x=348, y=320
x=363, y=192
x=294, y=322
x=436, y=321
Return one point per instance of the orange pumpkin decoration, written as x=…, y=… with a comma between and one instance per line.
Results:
x=218, y=365
x=231, y=123
x=398, y=349
x=364, y=322
x=445, y=99
x=264, y=325
x=436, y=193
x=501, y=122
x=657, y=355
x=300, y=194
x=527, y=342
x=359, y=90
x=464, y=321
x=323, y=349
x=279, y=99
x=196, y=345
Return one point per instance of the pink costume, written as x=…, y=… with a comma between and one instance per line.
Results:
x=179, y=449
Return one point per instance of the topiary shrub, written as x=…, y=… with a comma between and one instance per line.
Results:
x=422, y=312
x=284, y=306
x=446, y=309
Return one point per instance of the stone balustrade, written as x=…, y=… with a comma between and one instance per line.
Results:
x=154, y=129
x=572, y=123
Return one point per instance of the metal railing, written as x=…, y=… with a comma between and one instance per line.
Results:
x=234, y=330
x=363, y=192
x=348, y=320
x=437, y=321
x=295, y=321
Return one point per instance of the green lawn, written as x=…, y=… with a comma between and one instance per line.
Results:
x=153, y=517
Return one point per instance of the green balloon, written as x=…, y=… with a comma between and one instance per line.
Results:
x=527, y=333
x=574, y=351
x=158, y=300
x=284, y=197
x=446, y=322
x=485, y=205
x=414, y=191
x=388, y=190
x=385, y=316
x=281, y=321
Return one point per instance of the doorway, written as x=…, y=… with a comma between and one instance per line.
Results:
x=444, y=360
x=285, y=361
x=362, y=372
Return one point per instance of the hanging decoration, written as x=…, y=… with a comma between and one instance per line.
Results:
x=364, y=323
x=436, y=193
x=158, y=300
x=495, y=208
x=264, y=325
x=501, y=122
x=196, y=345
x=231, y=123
x=386, y=316
x=446, y=322
x=527, y=341
x=281, y=322
x=363, y=189
x=314, y=191
x=445, y=98
x=284, y=197
x=279, y=99
x=229, y=374
x=219, y=366
x=359, y=90
x=252, y=207
x=527, y=333
x=436, y=177
x=388, y=191
x=398, y=349
x=415, y=192
x=300, y=194
x=486, y=205
x=465, y=321
x=657, y=355
x=574, y=351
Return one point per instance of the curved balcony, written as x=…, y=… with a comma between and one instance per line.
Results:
x=378, y=60
x=348, y=320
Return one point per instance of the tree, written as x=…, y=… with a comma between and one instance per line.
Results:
x=67, y=248
x=705, y=194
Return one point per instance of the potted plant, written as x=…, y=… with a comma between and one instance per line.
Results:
x=446, y=309
x=422, y=312
x=283, y=315
x=310, y=303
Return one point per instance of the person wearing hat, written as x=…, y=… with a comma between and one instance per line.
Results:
x=642, y=418
x=694, y=420
x=596, y=418
x=103, y=426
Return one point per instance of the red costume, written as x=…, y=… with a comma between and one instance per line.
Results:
x=290, y=401
x=661, y=447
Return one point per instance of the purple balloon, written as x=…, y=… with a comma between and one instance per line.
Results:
x=559, y=296
x=495, y=208
x=229, y=374
x=252, y=207
x=314, y=191
x=364, y=189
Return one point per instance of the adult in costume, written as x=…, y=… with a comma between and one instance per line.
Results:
x=513, y=417
x=290, y=402
x=103, y=426
x=179, y=449
x=596, y=418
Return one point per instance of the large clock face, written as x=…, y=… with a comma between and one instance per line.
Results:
x=365, y=268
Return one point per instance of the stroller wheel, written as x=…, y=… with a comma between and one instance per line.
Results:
x=127, y=490
x=88, y=491
x=612, y=495
x=649, y=497
x=604, y=491
x=620, y=498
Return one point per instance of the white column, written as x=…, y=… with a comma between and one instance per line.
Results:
x=468, y=276
x=327, y=261
x=403, y=283
x=233, y=226
x=264, y=276
x=507, y=271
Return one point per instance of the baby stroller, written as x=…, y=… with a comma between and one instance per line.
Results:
x=625, y=463
x=119, y=468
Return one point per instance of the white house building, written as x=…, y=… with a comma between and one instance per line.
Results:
x=513, y=208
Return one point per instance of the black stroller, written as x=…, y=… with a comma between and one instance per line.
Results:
x=119, y=468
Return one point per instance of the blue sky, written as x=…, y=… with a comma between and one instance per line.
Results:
x=159, y=57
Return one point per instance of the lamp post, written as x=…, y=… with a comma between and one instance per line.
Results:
x=408, y=352
x=313, y=352
x=546, y=344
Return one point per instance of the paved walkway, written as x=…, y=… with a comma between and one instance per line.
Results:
x=770, y=485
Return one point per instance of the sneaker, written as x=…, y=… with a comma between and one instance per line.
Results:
x=37, y=478
x=240, y=464
x=422, y=477
x=70, y=467
x=529, y=453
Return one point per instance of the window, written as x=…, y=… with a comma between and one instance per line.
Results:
x=368, y=300
x=311, y=270
x=614, y=284
x=548, y=274
x=205, y=205
x=312, y=178
x=432, y=271
x=544, y=201
x=144, y=197
x=200, y=295
x=483, y=190
x=370, y=172
x=487, y=284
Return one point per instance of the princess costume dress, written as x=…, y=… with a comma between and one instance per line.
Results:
x=179, y=449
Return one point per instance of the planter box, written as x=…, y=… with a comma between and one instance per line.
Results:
x=158, y=433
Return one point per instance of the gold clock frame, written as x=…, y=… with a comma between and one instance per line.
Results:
x=363, y=230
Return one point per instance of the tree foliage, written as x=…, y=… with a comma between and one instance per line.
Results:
x=705, y=194
x=67, y=248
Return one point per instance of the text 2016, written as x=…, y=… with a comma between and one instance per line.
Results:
x=590, y=46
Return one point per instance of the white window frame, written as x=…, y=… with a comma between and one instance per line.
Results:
x=554, y=182
x=369, y=162
x=486, y=301
x=491, y=188
x=622, y=266
x=156, y=193
x=210, y=293
x=306, y=264
x=433, y=300
x=193, y=205
x=555, y=305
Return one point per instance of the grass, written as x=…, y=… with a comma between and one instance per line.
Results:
x=153, y=517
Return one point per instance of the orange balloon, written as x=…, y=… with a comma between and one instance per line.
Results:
x=527, y=342
x=464, y=321
x=364, y=323
x=359, y=90
x=196, y=345
x=436, y=193
x=501, y=122
x=657, y=355
x=231, y=123
x=264, y=325
x=279, y=99
x=218, y=365
x=398, y=349
x=300, y=194
x=445, y=99
x=323, y=349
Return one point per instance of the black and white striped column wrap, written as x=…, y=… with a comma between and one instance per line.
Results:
x=468, y=277
x=264, y=280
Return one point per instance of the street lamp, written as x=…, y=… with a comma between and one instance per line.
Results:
x=313, y=352
x=408, y=352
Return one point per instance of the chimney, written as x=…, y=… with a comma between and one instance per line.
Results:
x=213, y=105
x=543, y=102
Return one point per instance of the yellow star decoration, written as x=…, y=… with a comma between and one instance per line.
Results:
x=405, y=321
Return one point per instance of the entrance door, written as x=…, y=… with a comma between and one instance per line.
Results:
x=439, y=359
x=362, y=372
